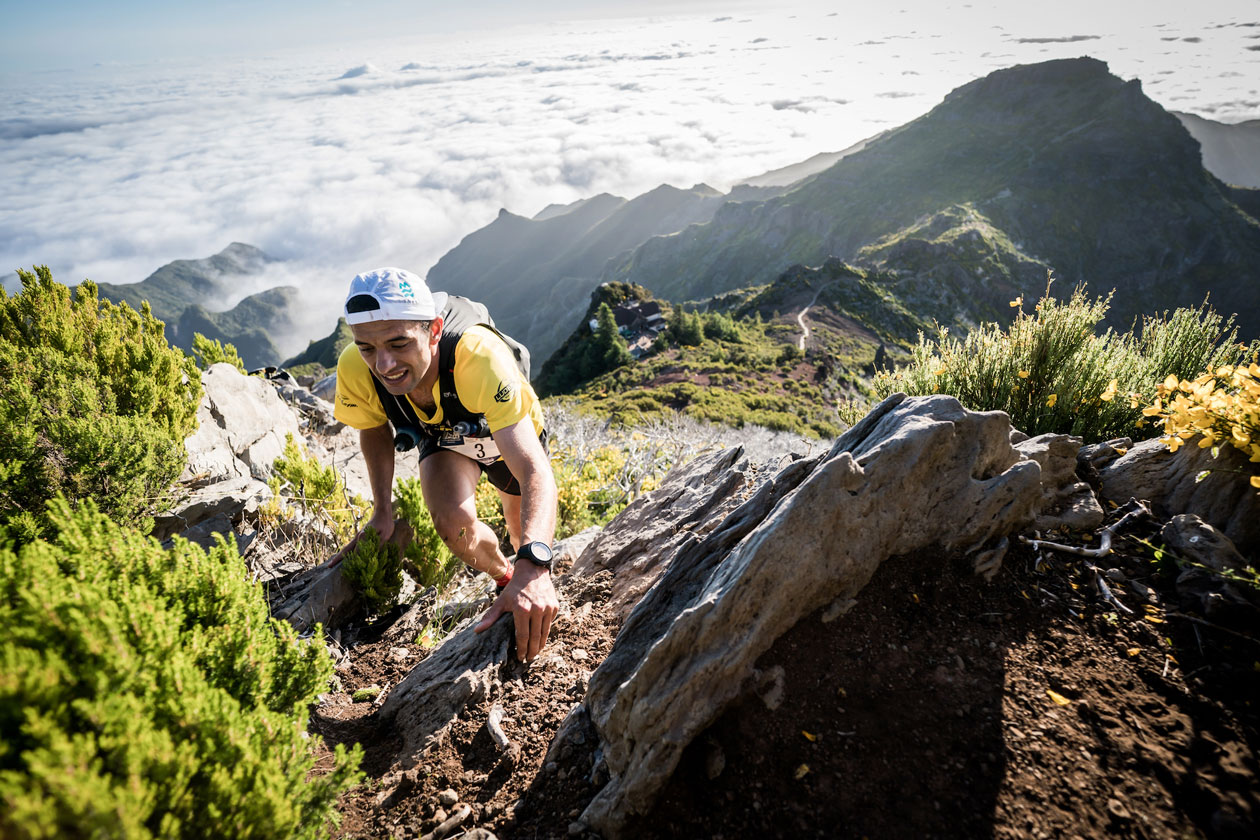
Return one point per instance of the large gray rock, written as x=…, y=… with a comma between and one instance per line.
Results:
x=914, y=473
x=243, y=427
x=637, y=546
x=1190, y=481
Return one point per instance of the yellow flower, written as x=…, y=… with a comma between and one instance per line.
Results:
x=938, y=371
x=1023, y=374
x=1019, y=301
x=1171, y=382
x=1051, y=400
x=1172, y=442
x=1107, y=395
x=1255, y=481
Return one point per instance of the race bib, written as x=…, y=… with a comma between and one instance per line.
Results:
x=480, y=449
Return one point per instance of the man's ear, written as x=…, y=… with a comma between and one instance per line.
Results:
x=435, y=329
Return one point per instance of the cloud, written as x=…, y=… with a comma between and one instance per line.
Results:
x=1067, y=39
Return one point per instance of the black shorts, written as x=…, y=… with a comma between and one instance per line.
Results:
x=498, y=473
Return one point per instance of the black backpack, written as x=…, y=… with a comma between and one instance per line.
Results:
x=458, y=315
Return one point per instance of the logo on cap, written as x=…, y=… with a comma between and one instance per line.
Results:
x=404, y=289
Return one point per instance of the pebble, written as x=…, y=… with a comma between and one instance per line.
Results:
x=576, y=828
x=399, y=653
x=440, y=815
x=580, y=654
x=1116, y=808
x=447, y=798
x=1115, y=574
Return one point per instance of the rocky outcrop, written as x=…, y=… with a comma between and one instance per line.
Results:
x=1189, y=481
x=914, y=473
x=1067, y=502
x=242, y=427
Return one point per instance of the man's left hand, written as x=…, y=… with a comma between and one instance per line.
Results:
x=531, y=599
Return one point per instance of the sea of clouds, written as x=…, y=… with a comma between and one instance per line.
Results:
x=388, y=153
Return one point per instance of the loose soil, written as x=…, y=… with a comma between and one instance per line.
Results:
x=941, y=705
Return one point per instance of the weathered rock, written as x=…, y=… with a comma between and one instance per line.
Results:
x=1190, y=480
x=226, y=499
x=315, y=413
x=326, y=388
x=1099, y=455
x=1209, y=553
x=914, y=473
x=243, y=422
x=1066, y=501
x=690, y=503
x=206, y=533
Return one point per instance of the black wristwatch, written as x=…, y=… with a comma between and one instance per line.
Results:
x=538, y=553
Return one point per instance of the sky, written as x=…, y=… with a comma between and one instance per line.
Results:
x=340, y=136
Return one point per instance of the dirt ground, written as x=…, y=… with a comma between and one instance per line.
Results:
x=940, y=706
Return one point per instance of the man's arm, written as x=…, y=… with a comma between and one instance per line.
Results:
x=377, y=445
x=530, y=596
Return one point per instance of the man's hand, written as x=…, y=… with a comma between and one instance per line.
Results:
x=531, y=599
x=382, y=521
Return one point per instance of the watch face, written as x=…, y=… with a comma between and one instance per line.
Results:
x=537, y=552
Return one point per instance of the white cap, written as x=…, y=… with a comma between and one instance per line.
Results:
x=391, y=294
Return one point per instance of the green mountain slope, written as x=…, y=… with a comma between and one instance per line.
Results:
x=1075, y=168
x=738, y=358
x=326, y=351
x=252, y=325
x=1231, y=152
x=180, y=284
x=536, y=274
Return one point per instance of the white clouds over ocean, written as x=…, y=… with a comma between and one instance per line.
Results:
x=378, y=154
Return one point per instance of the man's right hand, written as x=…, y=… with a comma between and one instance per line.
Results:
x=383, y=522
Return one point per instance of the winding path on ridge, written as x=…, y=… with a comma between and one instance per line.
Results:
x=800, y=319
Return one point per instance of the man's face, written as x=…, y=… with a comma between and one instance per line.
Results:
x=400, y=353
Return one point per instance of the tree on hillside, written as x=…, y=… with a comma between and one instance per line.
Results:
x=608, y=350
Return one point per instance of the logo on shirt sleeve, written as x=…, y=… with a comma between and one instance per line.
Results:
x=504, y=393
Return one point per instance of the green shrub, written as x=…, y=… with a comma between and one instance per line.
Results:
x=93, y=404
x=427, y=557
x=146, y=693
x=1051, y=372
x=317, y=490
x=374, y=569
x=210, y=351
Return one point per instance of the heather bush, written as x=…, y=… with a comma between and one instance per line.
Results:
x=210, y=351
x=374, y=569
x=146, y=693
x=427, y=557
x=1051, y=370
x=93, y=404
x=299, y=482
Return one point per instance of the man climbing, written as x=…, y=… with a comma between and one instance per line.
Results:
x=434, y=367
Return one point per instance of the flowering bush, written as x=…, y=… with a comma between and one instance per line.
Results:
x=1052, y=372
x=1218, y=408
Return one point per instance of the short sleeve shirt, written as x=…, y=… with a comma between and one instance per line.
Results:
x=487, y=381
